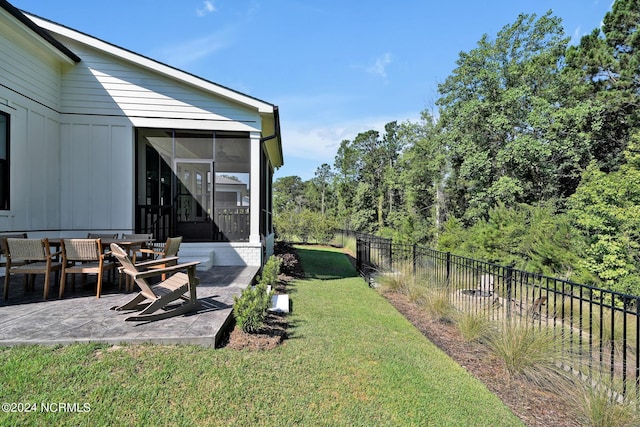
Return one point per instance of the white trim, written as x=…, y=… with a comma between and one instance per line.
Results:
x=256, y=188
x=221, y=125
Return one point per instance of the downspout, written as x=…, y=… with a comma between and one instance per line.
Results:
x=276, y=121
x=263, y=140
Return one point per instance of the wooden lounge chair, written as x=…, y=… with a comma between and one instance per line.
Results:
x=84, y=256
x=30, y=257
x=155, y=301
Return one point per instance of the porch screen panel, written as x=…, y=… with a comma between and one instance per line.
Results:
x=232, y=187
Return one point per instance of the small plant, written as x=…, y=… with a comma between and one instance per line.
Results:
x=598, y=407
x=474, y=326
x=250, y=308
x=437, y=302
x=529, y=351
x=288, y=263
x=394, y=283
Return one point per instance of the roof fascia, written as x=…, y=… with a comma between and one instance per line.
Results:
x=155, y=66
x=34, y=32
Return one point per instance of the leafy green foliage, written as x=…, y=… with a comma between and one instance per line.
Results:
x=250, y=308
x=606, y=209
x=533, y=238
x=510, y=122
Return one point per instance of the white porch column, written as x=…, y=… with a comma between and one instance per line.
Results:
x=254, y=216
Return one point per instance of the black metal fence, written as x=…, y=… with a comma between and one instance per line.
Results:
x=598, y=329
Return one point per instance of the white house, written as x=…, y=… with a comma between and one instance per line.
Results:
x=94, y=137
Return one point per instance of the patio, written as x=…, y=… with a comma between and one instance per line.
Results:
x=81, y=317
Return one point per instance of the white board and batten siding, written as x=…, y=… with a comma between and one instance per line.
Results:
x=30, y=94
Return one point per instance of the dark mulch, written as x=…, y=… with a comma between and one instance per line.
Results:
x=535, y=406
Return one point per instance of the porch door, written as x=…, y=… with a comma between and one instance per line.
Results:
x=194, y=199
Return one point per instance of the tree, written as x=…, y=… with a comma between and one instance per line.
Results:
x=288, y=193
x=606, y=208
x=608, y=60
x=323, y=179
x=512, y=126
x=420, y=175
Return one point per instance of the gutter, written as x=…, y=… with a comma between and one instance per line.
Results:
x=276, y=134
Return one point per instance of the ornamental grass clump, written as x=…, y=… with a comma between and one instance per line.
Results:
x=598, y=406
x=474, y=327
x=529, y=351
x=250, y=308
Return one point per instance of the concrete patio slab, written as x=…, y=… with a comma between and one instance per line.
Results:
x=25, y=318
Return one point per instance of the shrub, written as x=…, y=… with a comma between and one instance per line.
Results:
x=250, y=308
x=437, y=302
x=596, y=406
x=288, y=263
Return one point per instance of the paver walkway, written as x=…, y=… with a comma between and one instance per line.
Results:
x=81, y=317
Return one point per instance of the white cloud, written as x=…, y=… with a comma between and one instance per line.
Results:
x=183, y=53
x=207, y=7
x=379, y=67
x=321, y=143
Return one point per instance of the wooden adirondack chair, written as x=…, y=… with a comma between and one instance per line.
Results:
x=154, y=301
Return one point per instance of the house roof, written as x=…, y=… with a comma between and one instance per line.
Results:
x=39, y=32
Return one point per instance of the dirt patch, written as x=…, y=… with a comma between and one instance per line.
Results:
x=270, y=336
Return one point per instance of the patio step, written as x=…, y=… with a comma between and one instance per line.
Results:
x=194, y=253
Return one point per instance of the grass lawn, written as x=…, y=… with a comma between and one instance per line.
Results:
x=351, y=359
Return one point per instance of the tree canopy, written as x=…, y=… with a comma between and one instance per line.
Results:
x=532, y=157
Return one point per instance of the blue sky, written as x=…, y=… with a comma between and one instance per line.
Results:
x=334, y=68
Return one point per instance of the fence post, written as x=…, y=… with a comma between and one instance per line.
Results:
x=509, y=280
x=448, y=268
x=415, y=259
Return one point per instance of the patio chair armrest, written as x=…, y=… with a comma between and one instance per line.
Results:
x=148, y=251
x=164, y=270
x=157, y=261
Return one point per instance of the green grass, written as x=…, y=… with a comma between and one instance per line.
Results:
x=351, y=359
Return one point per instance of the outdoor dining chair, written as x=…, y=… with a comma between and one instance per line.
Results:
x=148, y=237
x=169, y=252
x=156, y=301
x=30, y=257
x=84, y=256
x=3, y=247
